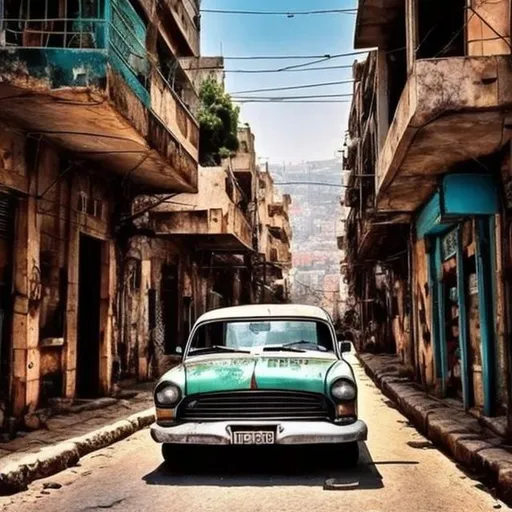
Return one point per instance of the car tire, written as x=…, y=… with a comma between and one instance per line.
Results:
x=173, y=456
x=350, y=455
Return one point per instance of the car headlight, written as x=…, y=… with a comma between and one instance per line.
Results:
x=167, y=395
x=343, y=390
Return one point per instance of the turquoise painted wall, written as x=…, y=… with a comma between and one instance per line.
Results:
x=116, y=38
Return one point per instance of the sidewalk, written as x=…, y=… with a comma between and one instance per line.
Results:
x=68, y=437
x=459, y=434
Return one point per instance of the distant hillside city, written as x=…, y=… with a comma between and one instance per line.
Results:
x=315, y=215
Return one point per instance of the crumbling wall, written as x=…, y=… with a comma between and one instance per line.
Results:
x=423, y=313
x=143, y=353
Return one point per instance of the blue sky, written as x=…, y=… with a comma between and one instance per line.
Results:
x=285, y=133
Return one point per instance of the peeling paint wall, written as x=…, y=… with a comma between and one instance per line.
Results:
x=423, y=312
x=143, y=340
x=44, y=304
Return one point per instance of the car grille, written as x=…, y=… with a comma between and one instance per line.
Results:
x=255, y=405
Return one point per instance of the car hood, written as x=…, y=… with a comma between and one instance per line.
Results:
x=304, y=372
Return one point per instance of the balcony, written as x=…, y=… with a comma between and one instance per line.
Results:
x=244, y=162
x=279, y=225
x=210, y=219
x=374, y=18
x=280, y=253
x=185, y=17
x=451, y=110
x=97, y=94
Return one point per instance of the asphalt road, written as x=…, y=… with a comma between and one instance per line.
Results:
x=399, y=471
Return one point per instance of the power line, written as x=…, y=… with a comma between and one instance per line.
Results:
x=282, y=98
x=290, y=14
x=284, y=102
x=300, y=57
x=281, y=70
x=306, y=64
x=293, y=87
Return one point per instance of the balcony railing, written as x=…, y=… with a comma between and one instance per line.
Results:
x=186, y=16
x=121, y=40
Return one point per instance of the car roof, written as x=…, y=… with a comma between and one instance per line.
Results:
x=266, y=310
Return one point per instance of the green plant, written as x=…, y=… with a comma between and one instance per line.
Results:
x=218, y=120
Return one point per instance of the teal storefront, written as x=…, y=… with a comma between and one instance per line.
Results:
x=458, y=226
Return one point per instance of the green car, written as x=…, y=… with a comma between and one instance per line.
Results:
x=260, y=375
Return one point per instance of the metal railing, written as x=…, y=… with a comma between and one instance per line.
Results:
x=117, y=36
x=81, y=33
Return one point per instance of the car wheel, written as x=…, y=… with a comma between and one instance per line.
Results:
x=173, y=456
x=350, y=455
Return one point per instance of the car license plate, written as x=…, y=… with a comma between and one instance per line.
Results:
x=257, y=437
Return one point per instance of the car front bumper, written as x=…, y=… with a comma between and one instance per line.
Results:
x=287, y=432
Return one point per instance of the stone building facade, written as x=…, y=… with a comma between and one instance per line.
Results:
x=89, y=121
x=428, y=238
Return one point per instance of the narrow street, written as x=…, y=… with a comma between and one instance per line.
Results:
x=400, y=471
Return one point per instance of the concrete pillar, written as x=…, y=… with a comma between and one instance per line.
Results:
x=27, y=290
x=411, y=32
x=143, y=320
x=71, y=325
x=383, y=120
x=107, y=293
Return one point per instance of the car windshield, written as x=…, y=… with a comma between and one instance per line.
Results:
x=267, y=335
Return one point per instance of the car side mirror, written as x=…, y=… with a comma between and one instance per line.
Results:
x=345, y=346
x=179, y=351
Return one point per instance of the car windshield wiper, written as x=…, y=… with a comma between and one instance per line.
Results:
x=220, y=348
x=282, y=348
x=312, y=344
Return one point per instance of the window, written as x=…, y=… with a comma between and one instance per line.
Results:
x=49, y=23
x=441, y=28
x=53, y=288
x=263, y=334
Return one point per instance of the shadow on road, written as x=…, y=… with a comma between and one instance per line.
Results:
x=264, y=466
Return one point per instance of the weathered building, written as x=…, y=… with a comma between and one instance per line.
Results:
x=189, y=257
x=195, y=252
x=95, y=110
x=429, y=229
x=274, y=260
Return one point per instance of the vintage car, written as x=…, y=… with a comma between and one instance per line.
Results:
x=260, y=375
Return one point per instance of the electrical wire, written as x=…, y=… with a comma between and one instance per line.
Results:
x=262, y=71
x=305, y=64
x=293, y=87
x=290, y=14
x=282, y=98
x=303, y=57
x=243, y=102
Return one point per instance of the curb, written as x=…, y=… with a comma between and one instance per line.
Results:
x=448, y=429
x=16, y=476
